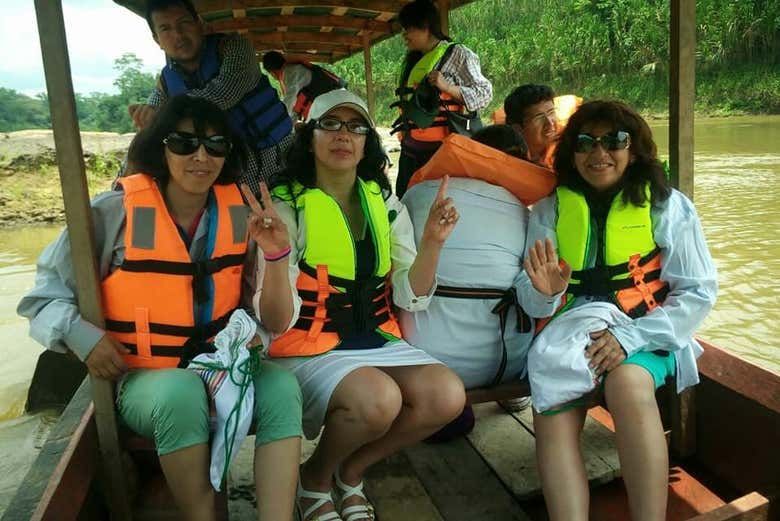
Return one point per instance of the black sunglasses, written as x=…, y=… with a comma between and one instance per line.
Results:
x=616, y=141
x=184, y=143
x=332, y=124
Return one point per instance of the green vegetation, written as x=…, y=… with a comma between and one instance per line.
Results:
x=595, y=48
x=97, y=111
x=607, y=48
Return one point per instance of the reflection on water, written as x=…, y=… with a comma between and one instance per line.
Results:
x=737, y=193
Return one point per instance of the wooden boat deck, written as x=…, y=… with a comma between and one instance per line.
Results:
x=488, y=475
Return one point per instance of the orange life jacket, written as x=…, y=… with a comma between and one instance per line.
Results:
x=334, y=303
x=322, y=81
x=460, y=156
x=148, y=301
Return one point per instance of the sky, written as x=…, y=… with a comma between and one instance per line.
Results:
x=98, y=32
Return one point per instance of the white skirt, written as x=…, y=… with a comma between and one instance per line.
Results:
x=319, y=375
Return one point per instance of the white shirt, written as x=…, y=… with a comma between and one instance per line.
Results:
x=485, y=250
x=686, y=265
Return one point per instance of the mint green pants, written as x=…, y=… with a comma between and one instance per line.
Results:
x=171, y=406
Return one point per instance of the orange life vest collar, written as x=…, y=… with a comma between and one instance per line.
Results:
x=149, y=301
x=460, y=156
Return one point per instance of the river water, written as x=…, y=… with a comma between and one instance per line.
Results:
x=737, y=193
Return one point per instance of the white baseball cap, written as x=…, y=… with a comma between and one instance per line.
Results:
x=328, y=101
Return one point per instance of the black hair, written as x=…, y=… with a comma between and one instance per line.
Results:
x=503, y=138
x=147, y=151
x=273, y=61
x=300, y=164
x=161, y=5
x=421, y=14
x=523, y=97
x=645, y=167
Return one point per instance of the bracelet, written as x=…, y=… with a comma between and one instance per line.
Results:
x=273, y=257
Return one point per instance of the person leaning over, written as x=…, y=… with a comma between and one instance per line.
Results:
x=475, y=323
x=451, y=68
x=222, y=69
x=530, y=109
x=352, y=257
x=301, y=82
x=181, y=214
x=634, y=281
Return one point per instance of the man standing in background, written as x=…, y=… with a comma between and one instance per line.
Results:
x=222, y=69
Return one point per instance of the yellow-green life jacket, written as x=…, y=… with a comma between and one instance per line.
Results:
x=631, y=270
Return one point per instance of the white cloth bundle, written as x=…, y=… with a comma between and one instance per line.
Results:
x=228, y=374
x=557, y=368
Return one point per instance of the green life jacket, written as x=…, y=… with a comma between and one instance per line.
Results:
x=335, y=303
x=631, y=268
x=329, y=239
x=419, y=101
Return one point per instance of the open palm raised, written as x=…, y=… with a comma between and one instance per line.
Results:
x=546, y=274
x=266, y=228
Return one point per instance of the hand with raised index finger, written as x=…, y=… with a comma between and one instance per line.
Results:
x=265, y=226
x=547, y=275
x=442, y=217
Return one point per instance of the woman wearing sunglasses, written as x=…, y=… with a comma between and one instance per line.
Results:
x=171, y=248
x=351, y=255
x=635, y=280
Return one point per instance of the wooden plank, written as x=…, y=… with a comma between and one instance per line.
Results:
x=67, y=141
x=682, y=414
x=682, y=92
x=368, y=75
x=737, y=439
x=397, y=493
x=503, y=391
x=687, y=498
x=308, y=37
x=364, y=5
x=508, y=448
x=462, y=487
x=59, y=479
x=752, y=507
x=262, y=22
x=444, y=14
x=598, y=448
x=755, y=383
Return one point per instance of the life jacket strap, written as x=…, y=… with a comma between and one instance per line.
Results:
x=507, y=300
x=203, y=332
x=199, y=270
x=643, y=307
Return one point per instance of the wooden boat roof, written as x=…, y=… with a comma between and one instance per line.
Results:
x=314, y=30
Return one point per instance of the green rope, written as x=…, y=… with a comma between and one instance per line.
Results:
x=246, y=371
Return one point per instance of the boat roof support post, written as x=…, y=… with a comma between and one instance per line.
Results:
x=444, y=13
x=78, y=214
x=369, y=75
x=682, y=92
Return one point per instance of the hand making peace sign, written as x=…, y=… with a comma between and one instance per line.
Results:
x=266, y=228
x=442, y=216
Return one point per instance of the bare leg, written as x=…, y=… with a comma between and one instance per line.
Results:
x=187, y=474
x=276, y=476
x=561, y=467
x=432, y=396
x=644, y=460
x=362, y=408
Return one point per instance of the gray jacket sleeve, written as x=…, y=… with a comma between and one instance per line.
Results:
x=51, y=306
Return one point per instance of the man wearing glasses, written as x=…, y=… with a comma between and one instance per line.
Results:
x=530, y=109
x=222, y=69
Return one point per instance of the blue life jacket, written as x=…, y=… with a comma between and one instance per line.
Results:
x=259, y=117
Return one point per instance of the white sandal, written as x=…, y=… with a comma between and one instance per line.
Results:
x=355, y=512
x=321, y=497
